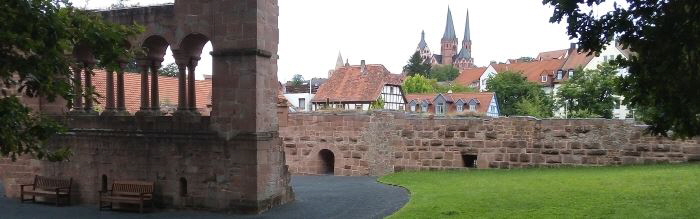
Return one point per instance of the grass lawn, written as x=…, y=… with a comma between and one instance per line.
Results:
x=661, y=191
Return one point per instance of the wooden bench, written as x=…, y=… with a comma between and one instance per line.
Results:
x=127, y=192
x=50, y=188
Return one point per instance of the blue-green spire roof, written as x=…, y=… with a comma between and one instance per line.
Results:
x=422, y=44
x=450, y=27
x=467, y=32
x=464, y=54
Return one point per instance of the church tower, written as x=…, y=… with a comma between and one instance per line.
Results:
x=464, y=59
x=449, y=41
x=423, y=49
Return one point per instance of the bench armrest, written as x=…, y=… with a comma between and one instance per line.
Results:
x=25, y=185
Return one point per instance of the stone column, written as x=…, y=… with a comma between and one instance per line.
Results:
x=191, y=92
x=181, y=60
x=155, y=99
x=110, y=109
x=89, y=88
x=77, y=89
x=144, y=65
x=121, y=102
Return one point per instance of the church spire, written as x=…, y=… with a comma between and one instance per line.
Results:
x=450, y=27
x=467, y=32
x=422, y=44
x=339, y=63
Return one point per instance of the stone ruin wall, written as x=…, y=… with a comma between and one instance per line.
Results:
x=384, y=142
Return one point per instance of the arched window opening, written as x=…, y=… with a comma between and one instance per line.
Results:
x=183, y=187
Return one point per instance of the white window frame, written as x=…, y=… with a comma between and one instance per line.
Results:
x=440, y=108
x=302, y=103
x=460, y=108
x=543, y=78
x=424, y=108
x=413, y=107
x=472, y=107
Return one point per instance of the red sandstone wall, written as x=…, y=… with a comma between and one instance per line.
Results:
x=384, y=142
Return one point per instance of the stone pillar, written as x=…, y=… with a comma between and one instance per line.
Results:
x=144, y=65
x=191, y=88
x=121, y=101
x=181, y=60
x=155, y=99
x=89, y=88
x=77, y=89
x=110, y=109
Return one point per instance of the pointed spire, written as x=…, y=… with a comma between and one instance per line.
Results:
x=467, y=32
x=339, y=63
x=450, y=27
x=422, y=44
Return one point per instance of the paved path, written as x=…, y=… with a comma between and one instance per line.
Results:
x=323, y=197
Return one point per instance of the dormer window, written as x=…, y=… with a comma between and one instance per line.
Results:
x=424, y=107
x=560, y=74
x=571, y=73
x=544, y=78
x=440, y=108
x=460, y=108
x=472, y=107
x=413, y=107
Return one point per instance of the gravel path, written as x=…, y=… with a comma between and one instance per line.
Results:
x=322, y=197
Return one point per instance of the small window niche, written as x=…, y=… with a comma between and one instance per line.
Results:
x=469, y=160
x=183, y=187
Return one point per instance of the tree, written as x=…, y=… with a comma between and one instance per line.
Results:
x=662, y=37
x=418, y=84
x=122, y=4
x=36, y=40
x=297, y=80
x=169, y=70
x=377, y=105
x=444, y=73
x=514, y=90
x=417, y=66
x=589, y=93
x=455, y=88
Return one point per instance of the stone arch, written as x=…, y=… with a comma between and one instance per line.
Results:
x=327, y=162
x=193, y=43
x=155, y=47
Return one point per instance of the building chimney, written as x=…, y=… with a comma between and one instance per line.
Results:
x=573, y=46
x=363, y=67
x=494, y=62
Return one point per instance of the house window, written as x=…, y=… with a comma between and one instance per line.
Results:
x=544, y=78
x=493, y=109
x=617, y=104
x=472, y=107
x=560, y=74
x=391, y=90
x=401, y=107
x=440, y=108
x=413, y=107
x=571, y=73
x=302, y=103
x=425, y=108
x=358, y=106
x=460, y=108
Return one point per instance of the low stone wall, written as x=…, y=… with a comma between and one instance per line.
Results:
x=192, y=167
x=384, y=142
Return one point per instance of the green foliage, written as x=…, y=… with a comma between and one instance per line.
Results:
x=663, y=68
x=655, y=191
x=298, y=80
x=36, y=43
x=517, y=96
x=589, y=93
x=122, y=4
x=169, y=70
x=417, y=66
x=420, y=84
x=444, y=73
x=377, y=105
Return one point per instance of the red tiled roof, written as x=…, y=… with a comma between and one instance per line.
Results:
x=167, y=86
x=348, y=84
x=484, y=98
x=469, y=76
x=556, y=54
x=577, y=59
x=531, y=70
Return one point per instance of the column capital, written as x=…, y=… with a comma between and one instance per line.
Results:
x=194, y=61
x=144, y=62
x=181, y=57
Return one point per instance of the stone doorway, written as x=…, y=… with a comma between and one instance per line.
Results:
x=327, y=162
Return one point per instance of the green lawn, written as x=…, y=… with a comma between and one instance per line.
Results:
x=663, y=191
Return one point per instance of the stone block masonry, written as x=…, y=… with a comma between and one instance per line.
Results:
x=383, y=142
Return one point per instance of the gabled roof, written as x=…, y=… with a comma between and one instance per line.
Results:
x=469, y=76
x=577, y=59
x=484, y=98
x=531, y=70
x=349, y=84
x=463, y=54
x=556, y=54
x=449, y=27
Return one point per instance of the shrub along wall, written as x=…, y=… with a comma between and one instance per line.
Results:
x=383, y=142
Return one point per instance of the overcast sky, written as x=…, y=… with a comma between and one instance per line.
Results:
x=387, y=32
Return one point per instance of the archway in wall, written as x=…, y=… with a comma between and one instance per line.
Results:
x=327, y=161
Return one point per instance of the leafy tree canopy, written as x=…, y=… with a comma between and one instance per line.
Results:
x=589, y=93
x=298, y=80
x=516, y=96
x=169, y=70
x=416, y=65
x=663, y=37
x=444, y=73
x=421, y=84
x=36, y=43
